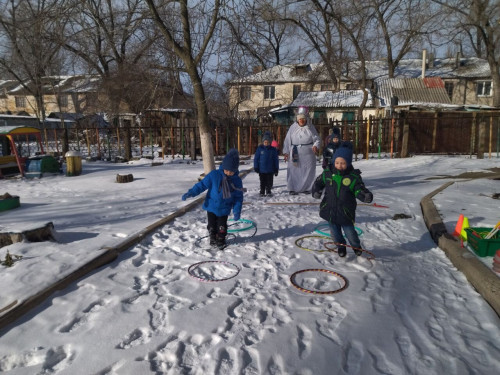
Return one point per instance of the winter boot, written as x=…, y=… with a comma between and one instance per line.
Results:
x=221, y=237
x=268, y=193
x=213, y=239
x=341, y=251
x=357, y=252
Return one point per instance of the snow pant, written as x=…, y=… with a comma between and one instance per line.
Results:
x=266, y=182
x=217, y=227
x=350, y=232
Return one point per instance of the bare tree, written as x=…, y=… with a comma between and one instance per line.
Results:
x=189, y=41
x=324, y=35
x=403, y=25
x=257, y=35
x=113, y=40
x=478, y=25
x=29, y=54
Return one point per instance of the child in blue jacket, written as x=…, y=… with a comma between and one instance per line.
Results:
x=266, y=164
x=342, y=185
x=225, y=193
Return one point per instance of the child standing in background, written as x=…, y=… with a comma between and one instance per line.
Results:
x=266, y=164
x=225, y=193
x=330, y=147
x=342, y=184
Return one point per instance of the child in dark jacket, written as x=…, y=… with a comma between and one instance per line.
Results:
x=225, y=193
x=331, y=146
x=342, y=184
x=266, y=164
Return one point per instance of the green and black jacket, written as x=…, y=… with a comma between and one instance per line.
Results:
x=341, y=190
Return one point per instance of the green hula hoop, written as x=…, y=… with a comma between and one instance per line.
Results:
x=252, y=225
x=317, y=230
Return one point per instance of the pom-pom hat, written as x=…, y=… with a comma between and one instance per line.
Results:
x=345, y=152
x=231, y=161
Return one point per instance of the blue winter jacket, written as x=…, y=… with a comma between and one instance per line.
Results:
x=266, y=159
x=214, y=202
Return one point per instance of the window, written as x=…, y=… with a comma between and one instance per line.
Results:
x=63, y=100
x=245, y=93
x=296, y=90
x=326, y=88
x=351, y=86
x=20, y=102
x=483, y=88
x=268, y=92
x=449, y=86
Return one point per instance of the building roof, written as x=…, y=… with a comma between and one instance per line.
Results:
x=51, y=84
x=331, y=99
x=449, y=68
x=411, y=91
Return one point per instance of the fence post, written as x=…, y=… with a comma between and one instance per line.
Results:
x=473, y=134
x=368, y=125
x=88, y=141
x=392, y=136
x=491, y=137
x=192, y=144
x=406, y=134
x=434, y=132
x=482, y=140
x=55, y=140
x=379, y=136
x=99, y=155
x=239, y=139
x=217, y=139
x=140, y=142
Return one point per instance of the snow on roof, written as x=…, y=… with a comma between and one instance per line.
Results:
x=449, y=68
x=331, y=99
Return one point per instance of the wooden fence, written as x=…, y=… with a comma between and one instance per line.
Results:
x=411, y=133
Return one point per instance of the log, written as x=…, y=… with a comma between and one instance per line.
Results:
x=123, y=178
x=44, y=233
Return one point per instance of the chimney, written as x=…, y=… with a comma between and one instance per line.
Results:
x=424, y=62
x=257, y=69
x=457, y=60
x=431, y=61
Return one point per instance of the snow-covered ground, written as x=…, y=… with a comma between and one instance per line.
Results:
x=408, y=311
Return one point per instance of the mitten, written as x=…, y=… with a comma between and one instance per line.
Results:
x=185, y=196
x=236, y=217
x=276, y=174
x=316, y=194
x=257, y=170
x=368, y=197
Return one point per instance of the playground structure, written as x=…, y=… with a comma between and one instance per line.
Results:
x=21, y=152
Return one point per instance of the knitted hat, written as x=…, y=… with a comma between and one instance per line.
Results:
x=267, y=137
x=345, y=152
x=336, y=133
x=231, y=161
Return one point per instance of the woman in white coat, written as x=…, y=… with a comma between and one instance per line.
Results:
x=300, y=147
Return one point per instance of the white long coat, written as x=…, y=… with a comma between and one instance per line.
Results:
x=301, y=175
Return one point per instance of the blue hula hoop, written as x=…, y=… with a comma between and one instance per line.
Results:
x=317, y=230
x=252, y=225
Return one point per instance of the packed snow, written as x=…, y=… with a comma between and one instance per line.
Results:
x=174, y=305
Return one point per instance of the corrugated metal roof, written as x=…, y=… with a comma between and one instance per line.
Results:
x=411, y=91
x=330, y=99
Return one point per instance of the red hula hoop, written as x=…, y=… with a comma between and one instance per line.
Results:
x=292, y=281
x=196, y=265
